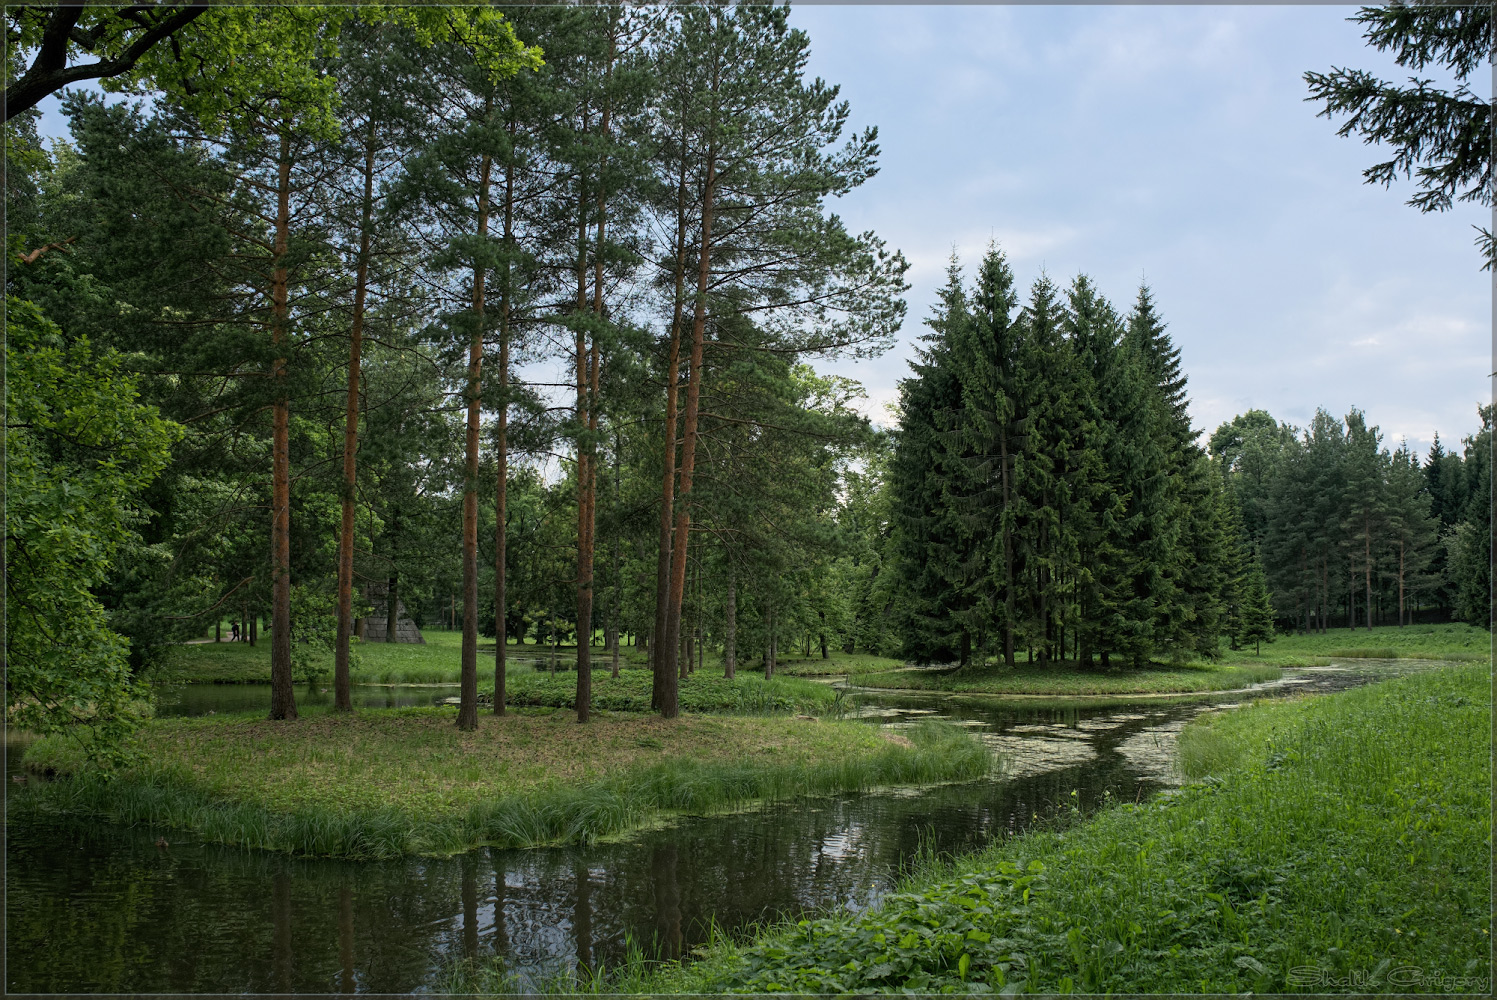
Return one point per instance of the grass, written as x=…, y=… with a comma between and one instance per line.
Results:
x=384, y=783
x=1065, y=679
x=1451, y=641
x=704, y=691
x=839, y=663
x=439, y=661
x=1334, y=843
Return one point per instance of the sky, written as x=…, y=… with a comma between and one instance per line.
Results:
x=1173, y=145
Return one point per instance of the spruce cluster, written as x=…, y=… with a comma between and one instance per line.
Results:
x=1047, y=491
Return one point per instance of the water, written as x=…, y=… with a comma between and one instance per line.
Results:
x=92, y=908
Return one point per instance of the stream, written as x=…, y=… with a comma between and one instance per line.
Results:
x=97, y=909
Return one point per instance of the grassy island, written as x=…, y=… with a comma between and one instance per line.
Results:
x=1063, y=679
x=1333, y=843
x=388, y=782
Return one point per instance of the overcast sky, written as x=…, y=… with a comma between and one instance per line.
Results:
x=1171, y=144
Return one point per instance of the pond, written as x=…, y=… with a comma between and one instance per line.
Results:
x=92, y=908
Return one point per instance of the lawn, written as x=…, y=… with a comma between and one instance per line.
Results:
x=387, y=782
x=1334, y=843
x=439, y=661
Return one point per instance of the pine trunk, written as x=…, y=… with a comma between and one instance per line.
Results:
x=467, y=710
x=501, y=452
x=730, y=627
x=342, y=695
x=282, y=696
x=1400, y=584
x=681, y=535
x=663, y=691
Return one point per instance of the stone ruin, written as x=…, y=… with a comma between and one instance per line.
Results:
x=372, y=629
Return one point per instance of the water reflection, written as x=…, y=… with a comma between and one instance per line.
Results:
x=95, y=909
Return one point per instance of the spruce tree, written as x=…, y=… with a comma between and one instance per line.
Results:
x=1257, y=609
x=989, y=436
x=927, y=543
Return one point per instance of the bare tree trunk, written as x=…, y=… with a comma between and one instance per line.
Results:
x=769, y=664
x=730, y=626
x=584, y=512
x=282, y=696
x=1351, y=593
x=618, y=570
x=689, y=422
x=663, y=690
x=467, y=711
x=501, y=451
x=342, y=695
x=1367, y=565
x=1400, y=584
x=1008, y=559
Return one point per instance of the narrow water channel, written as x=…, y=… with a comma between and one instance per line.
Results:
x=92, y=908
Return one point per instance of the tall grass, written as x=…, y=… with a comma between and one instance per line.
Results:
x=555, y=812
x=1335, y=843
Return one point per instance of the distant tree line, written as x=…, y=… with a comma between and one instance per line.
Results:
x=1351, y=534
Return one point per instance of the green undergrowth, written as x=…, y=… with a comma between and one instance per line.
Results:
x=704, y=691
x=1068, y=679
x=391, y=782
x=1334, y=843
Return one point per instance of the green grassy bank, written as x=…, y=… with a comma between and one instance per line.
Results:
x=1338, y=843
x=1451, y=641
x=388, y=782
x=1068, y=679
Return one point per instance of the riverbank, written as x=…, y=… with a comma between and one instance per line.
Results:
x=384, y=783
x=1069, y=679
x=1333, y=843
